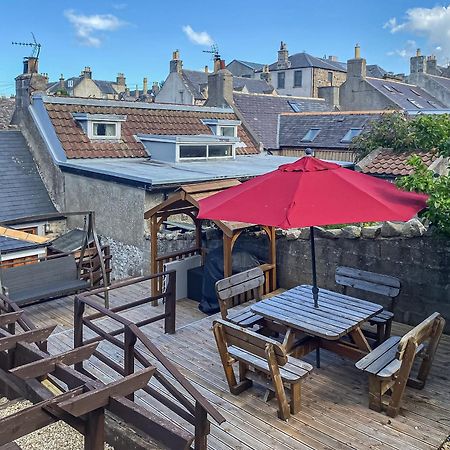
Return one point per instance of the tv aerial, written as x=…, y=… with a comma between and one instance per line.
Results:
x=35, y=46
x=215, y=55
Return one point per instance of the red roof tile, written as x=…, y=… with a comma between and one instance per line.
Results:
x=139, y=120
x=386, y=162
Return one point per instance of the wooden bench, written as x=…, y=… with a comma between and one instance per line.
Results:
x=50, y=278
x=256, y=355
x=379, y=284
x=237, y=289
x=389, y=365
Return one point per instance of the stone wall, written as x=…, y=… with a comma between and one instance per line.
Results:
x=320, y=79
x=420, y=259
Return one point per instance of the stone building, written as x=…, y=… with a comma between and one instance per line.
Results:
x=190, y=87
x=302, y=74
x=363, y=93
x=245, y=69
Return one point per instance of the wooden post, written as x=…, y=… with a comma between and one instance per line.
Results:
x=170, y=306
x=201, y=427
x=153, y=256
x=227, y=261
x=273, y=259
x=78, y=313
x=128, y=351
x=94, y=438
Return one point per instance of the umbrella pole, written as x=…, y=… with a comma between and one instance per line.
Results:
x=315, y=289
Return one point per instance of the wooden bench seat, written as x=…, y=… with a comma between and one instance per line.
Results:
x=261, y=359
x=384, y=285
x=389, y=365
x=54, y=277
x=237, y=289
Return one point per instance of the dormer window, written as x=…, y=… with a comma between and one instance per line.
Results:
x=101, y=126
x=222, y=127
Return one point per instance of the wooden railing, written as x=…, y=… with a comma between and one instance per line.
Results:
x=270, y=281
x=193, y=407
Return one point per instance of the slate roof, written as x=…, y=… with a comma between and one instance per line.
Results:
x=443, y=81
x=145, y=119
x=385, y=162
x=303, y=60
x=22, y=192
x=196, y=81
x=252, y=65
x=333, y=127
x=10, y=245
x=260, y=112
x=401, y=94
x=104, y=86
x=6, y=112
x=375, y=71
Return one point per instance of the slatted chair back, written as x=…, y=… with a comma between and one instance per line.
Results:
x=430, y=329
x=368, y=281
x=239, y=288
x=248, y=340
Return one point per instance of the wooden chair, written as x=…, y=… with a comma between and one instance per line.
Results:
x=258, y=355
x=237, y=289
x=377, y=283
x=389, y=365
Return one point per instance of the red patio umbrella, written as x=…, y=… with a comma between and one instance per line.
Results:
x=311, y=192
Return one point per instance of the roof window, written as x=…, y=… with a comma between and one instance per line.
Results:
x=295, y=106
x=415, y=92
x=351, y=134
x=101, y=126
x=388, y=88
x=311, y=135
x=415, y=103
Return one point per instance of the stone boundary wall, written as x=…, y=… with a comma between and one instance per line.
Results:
x=409, y=251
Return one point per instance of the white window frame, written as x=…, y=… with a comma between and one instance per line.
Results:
x=95, y=137
x=207, y=157
x=219, y=130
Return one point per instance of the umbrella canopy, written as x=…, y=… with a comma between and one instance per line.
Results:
x=312, y=192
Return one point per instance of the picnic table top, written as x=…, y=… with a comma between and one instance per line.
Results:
x=336, y=316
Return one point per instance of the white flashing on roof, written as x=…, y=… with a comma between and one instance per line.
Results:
x=126, y=104
x=100, y=117
x=221, y=122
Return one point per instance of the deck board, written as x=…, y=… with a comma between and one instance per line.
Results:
x=334, y=399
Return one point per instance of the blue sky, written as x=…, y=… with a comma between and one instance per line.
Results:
x=138, y=37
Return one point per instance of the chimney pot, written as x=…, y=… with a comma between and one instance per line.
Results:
x=145, y=87
x=206, y=69
x=418, y=52
x=136, y=92
x=357, y=51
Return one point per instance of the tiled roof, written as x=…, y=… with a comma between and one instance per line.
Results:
x=164, y=121
x=406, y=96
x=252, y=85
x=385, y=162
x=303, y=60
x=333, y=127
x=6, y=112
x=22, y=192
x=260, y=112
x=375, y=71
x=195, y=80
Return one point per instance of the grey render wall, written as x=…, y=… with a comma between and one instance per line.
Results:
x=430, y=85
x=174, y=91
x=119, y=213
x=358, y=95
x=239, y=70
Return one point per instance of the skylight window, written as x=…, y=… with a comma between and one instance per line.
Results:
x=388, y=88
x=433, y=104
x=416, y=104
x=415, y=92
x=351, y=134
x=396, y=89
x=295, y=106
x=311, y=135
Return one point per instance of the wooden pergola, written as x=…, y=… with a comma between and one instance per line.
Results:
x=186, y=201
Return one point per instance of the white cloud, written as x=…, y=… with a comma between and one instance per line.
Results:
x=431, y=23
x=197, y=37
x=86, y=26
x=407, y=51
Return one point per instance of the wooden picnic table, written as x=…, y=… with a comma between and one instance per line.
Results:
x=337, y=317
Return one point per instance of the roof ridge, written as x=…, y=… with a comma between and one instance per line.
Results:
x=394, y=81
x=289, y=97
x=337, y=113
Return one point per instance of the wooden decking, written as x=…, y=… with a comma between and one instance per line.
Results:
x=335, y=413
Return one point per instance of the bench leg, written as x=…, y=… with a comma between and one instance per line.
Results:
x=381, y=334
x=283, y=407
x=387, y=329
x=296, y=396
x=375, y=393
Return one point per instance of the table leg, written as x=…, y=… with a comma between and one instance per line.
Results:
x=360, y=340
x=318, y=357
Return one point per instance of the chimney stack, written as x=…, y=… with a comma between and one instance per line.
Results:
x=220, y=87
x=176, y=65
x=87, y=73
x=144, y=86
x=120, y=79
x=155, y=88
x=431, y=67
x=418, y=63
x=332, y=58
x=136, y=92
x=62, y=86
x=206, y=69
x=30, y=64
x=265, y=75
x=283, y=57
x=356, y=67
